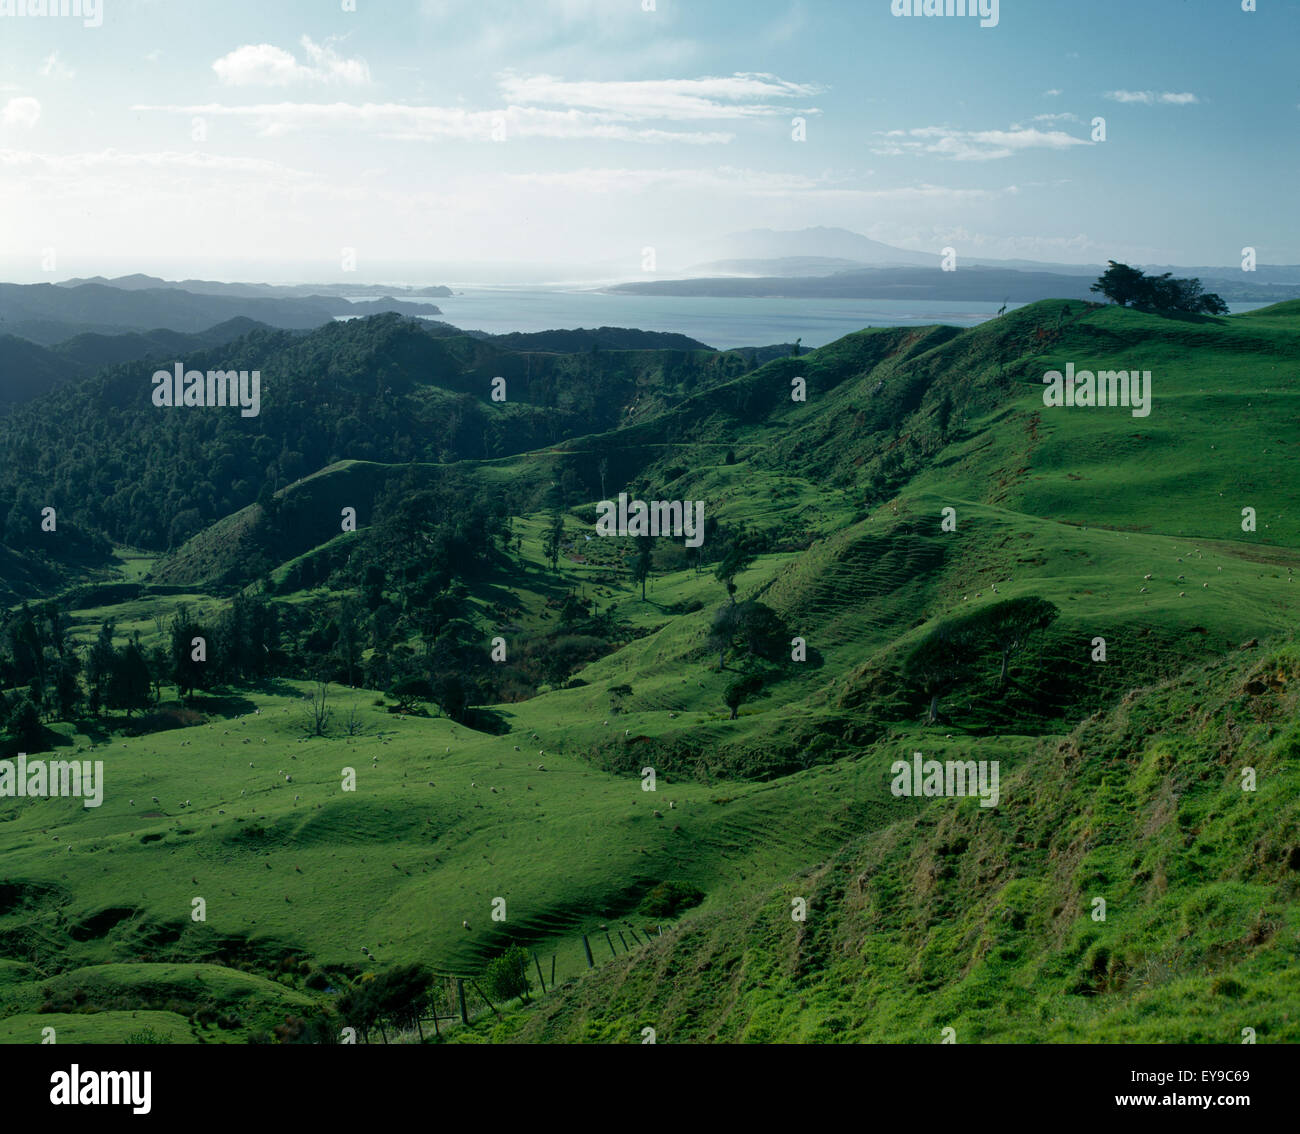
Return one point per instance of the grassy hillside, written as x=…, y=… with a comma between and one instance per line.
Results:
x=983, y=919
x=1120, y=778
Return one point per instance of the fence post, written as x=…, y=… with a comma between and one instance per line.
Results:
x=553, y=970
x=460, y=990
x=634, y=936
x=539, y=971
x=591, y=964
x=484, y=995
x=622, y=939
x=612, y=951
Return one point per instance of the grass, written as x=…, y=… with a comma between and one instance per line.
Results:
x=923, y=913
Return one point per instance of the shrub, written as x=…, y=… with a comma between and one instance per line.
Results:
x=507, y=975
x=669, y=898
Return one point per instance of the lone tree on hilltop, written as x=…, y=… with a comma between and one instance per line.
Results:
x=1162, y=294
x=939, y=662
x=1011, y=624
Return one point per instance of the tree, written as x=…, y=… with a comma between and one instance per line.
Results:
x=939, y=662
x=318, y=711
x=739, y=690
x=1162, y=294
x=189, y=672
x=1011, y=624
x=101, y=659
x=24, y=725
x=129, y=687
x=740, y=552
x=410, y=691
x=1120, y=284
x=507, y=975
x=553, y=540
x=642, y=560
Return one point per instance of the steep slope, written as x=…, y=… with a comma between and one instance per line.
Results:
x=983, y=920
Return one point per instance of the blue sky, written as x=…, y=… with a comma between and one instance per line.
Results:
x=257, y=140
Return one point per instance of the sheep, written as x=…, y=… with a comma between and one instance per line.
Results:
x=131, y=802
x=288, y=779
x=658, y=814
x=155, y=799
x=464, y=925
x=541, y=767
x=672, y=805
x=1182, y=594
x=1146, y=577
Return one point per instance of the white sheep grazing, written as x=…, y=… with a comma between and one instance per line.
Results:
x=155, y=799
x=132, y=802
x=658, y=814
x=672, y=805
x=541, y=767
x=1146, y=576
x=464, y=925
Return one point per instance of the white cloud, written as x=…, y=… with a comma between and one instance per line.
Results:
x=541, y=106
x=1152, y=98
x=1053, y=92
x=731, y=180
x=742, y=95
x=973, y=145
x=398, y=121
x=1064, y=116
x=263, y=64
x=52, y=67
x=23, y=111
x=83, y=163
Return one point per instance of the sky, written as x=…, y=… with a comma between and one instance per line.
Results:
x=444, y=140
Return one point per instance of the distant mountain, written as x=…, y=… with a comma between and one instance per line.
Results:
x=602, y=338
x=50, y=313
x=782, y=266
x=820, y=242
x=140, y=282
x=973, y=283
x=28, y=369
